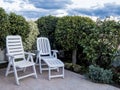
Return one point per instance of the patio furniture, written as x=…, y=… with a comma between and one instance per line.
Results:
x=17, y=58
x=46, y=56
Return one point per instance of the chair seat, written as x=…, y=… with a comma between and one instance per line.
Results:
x=24, y=63
x=52, y=62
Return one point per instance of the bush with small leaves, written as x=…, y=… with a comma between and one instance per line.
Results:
x=4, y=27
x=30, y=41
x=100, y=75
x=73, y=67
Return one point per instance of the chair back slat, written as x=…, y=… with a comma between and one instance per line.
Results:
x=43, y=45
x=14, y=46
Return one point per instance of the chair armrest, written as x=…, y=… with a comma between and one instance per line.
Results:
x=10, y=55
x=11, y=58
x=29, y=53
x=54, y=51
x=38, y=53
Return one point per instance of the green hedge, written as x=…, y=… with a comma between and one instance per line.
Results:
x=47, y=26
x=12, y=24
x=101, y=75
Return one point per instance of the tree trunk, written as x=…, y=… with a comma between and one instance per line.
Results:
x=74, y=53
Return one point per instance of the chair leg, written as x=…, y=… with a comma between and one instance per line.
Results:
x=63, y=71
x=40, y=66
x=8, y=68
x=34, y=71
x=49, y=73
x=16, y=75
x=36, y=60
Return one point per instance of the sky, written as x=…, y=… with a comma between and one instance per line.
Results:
x=34, y=9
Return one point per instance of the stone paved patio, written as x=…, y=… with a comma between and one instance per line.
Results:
x=72, y=81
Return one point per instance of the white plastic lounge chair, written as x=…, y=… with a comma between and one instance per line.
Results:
x=15, y=51
x=44, y=55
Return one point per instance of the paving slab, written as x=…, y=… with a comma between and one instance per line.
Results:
x=72, y=81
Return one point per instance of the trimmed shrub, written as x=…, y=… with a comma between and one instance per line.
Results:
x=47, y=26
x=18, y=26
x=73, y=67
x=116, y=77
x=76, y=68
x=71, y=32
x=68, y=66
x=30, y=41
x=101, y=75
x=4, y=27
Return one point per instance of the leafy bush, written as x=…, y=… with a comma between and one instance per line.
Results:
x=47, y=26
x=4, y=27
x=101, y=75
x=76, y=68
x=116, y=60
x=18, y=26
x=12, y=24
x=30, y=41
x=100, y=45
x=68, y=66
x=116, y=77
x=71, y=32
x=73, y=67
x=116, y=67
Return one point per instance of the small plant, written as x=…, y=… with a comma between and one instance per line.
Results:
x=73, y=67
x=116, y=77
x=30, y=41
x=68, y=66
x=76, y=68
x=101, y=75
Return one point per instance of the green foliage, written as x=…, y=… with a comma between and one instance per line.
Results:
x=12, y=24
x=71, y=32
x=116, y=67
x=18, y=26
x=101, y=75
x=116, y=77
x=116, y=60
x=30, y=41
x=100, y=45
x=47, y=25
x=4, y=27
x=73, y=67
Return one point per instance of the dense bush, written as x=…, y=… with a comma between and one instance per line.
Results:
x=47, y=25
x=12, y=24
x=101, y=75
x=4, y=27
x=116, y=67
x=74, y=67
x=116, y=77
x=18, y=26
x=30, y=41
x=100, y=45
x=71, y=32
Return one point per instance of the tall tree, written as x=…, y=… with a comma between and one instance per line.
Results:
x=71, y=31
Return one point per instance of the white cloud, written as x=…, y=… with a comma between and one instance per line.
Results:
x=18, y=5
x=91, y=3
x=36, y=9
x=60, y=13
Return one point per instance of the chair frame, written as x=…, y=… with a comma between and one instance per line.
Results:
x=10, y=43
x=50, y=60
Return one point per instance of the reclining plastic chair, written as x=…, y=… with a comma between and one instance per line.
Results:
x=44, y=55
x=15, y=51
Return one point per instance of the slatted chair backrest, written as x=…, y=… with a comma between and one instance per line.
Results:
x=14, y=46
x=43, y=45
